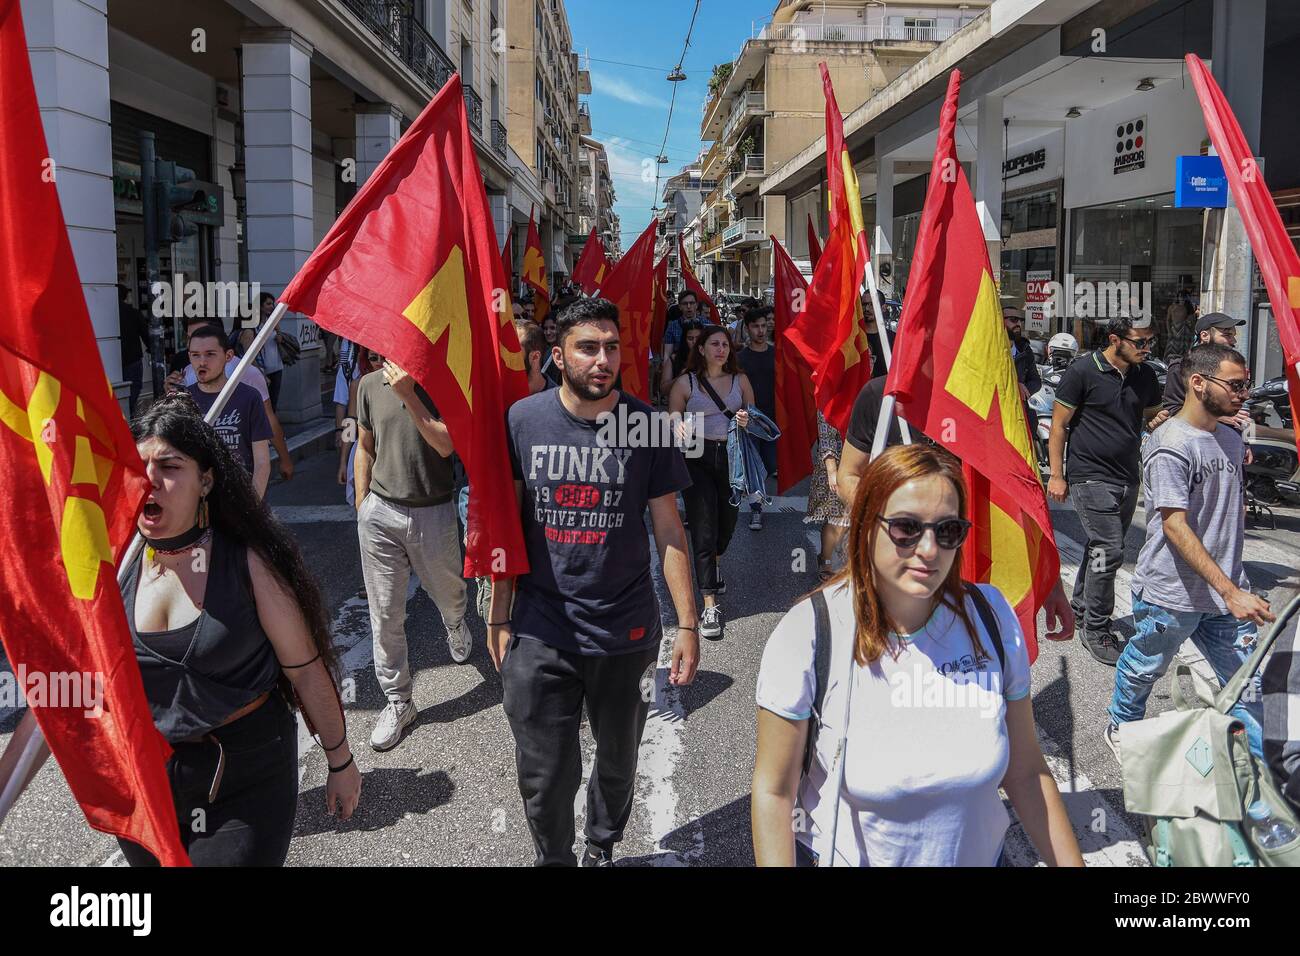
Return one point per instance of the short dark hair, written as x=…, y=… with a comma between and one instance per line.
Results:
x=531, y=338
x=264, y=296
x=685, y=292
x=209, y=332
x=1121, y=326
x=1205, y=360
x=758, y=314
x=594, y=309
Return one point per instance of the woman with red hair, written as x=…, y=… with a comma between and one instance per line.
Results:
x=923, y=709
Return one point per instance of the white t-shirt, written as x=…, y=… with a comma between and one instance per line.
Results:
x=252, y=377
x=927, y=743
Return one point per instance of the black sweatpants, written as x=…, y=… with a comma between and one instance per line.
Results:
x=544, y=693
x=251, y=821
x=711, y=514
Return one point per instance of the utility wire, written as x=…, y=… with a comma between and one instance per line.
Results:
x=672, y=103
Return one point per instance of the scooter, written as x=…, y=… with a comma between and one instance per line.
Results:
x=1273, y=477
x=1041, y=404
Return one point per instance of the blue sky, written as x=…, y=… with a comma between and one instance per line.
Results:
x=629, y=104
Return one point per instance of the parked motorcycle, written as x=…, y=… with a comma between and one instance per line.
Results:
x=1273, y=477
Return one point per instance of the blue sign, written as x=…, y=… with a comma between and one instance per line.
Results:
x=1200, y=183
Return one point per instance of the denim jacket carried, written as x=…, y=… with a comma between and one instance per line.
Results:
x=748, y=476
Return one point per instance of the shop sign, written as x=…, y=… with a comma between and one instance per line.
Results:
x=1200, y=183
x=1038, y=300
x=1130, y=146
x=1025, y=164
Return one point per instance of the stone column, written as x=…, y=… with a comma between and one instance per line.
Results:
x=278, y=157
x=882, y=246
x=379, y=126
x=988, y=176
x=67, y=43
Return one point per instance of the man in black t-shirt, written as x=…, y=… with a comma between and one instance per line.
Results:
x=758, y=361
x=242, y=424
x=1103, y=401
x=585, y=623
x=862, y=434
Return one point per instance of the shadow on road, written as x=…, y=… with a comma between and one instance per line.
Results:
x=719, y=838
x=387, y=795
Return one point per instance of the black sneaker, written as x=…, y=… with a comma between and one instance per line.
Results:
x=596, y=855
x=1104, y=646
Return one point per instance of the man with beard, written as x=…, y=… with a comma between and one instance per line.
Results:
x=585, y=623
x=1021, y=354
x=1189, y=581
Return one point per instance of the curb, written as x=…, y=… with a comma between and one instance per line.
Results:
x=311, y=441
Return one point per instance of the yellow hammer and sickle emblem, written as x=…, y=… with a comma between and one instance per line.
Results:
x=83, y=537
x=535, y=268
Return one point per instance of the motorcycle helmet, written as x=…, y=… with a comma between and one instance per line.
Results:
x=1062, y=348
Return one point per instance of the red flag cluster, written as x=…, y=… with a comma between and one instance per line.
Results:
x=593, y=265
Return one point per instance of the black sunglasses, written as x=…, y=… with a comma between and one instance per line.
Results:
x=907, y=532
x=1141, y=343
x=1239, y=385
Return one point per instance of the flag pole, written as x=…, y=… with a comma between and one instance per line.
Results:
x=887, y=407
x=35, y=752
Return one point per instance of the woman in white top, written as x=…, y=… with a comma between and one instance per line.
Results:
x=935, y=724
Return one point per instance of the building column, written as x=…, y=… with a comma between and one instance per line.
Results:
x=500, y=206
x=224, y=157
x=1227, y=264
x=379, y=127
x=882, y=247
x=278, y=157
x=988, y=176
x=67, y=43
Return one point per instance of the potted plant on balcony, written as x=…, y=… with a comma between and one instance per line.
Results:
x=746, y=147
x=721, y=73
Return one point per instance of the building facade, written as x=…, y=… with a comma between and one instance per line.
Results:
x=596, y=195
x=767, y=105
x=548, y=121
x=281, y=107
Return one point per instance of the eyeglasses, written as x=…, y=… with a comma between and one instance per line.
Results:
x=1141, y=343
x=1239, y=385
x=907, y=532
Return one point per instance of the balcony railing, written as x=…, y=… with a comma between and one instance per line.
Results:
x=474, y=107
x=405, y=38
x=742, y=231
x=748, y=104
x=750, y=168
x=817, y=32
x=499, y=139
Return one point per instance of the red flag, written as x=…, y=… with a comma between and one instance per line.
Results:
x=439, y=309
x=631, y=286
x=831, y=334
x=74, y=486
x=814, y=243
x=535, y=272
x=593, y=265
x=955, y=380
x=796, y=409
x=508, y=264
x=692, y=283
x=1279, y=266
x=660, y=320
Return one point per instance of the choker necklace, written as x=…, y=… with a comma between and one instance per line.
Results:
x=182, y=542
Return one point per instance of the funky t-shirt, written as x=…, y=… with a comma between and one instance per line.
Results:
x=588, y=590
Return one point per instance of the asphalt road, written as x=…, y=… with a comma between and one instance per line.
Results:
x=447, y=794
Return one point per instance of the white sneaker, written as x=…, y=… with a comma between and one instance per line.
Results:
x=1112, y=741
x=711, y=623
x=393, y=719
x=459, y=642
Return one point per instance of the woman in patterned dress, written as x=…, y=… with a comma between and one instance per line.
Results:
x=824, y=506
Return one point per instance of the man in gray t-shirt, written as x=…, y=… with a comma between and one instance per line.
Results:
x=1189, y=581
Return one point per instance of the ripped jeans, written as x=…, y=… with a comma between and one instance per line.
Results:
x=1225, y=642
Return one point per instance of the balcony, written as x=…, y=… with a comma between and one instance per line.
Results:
x=584, y=81
x=711, y=245
x=753, y=103
x=474, y=107
x=406, y=39
x=584, y=119
x=499, y=139
x=818, y=32
x=744, y=232
x=747, y=174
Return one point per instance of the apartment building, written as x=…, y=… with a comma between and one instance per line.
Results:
x=683, y=197
x=281, y=108
x=767, y=105
x=547, y=120
x=596, y=194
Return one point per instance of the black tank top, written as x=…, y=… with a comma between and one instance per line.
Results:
x=197, y=675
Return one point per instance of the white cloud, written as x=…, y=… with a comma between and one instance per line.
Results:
x=622, y=90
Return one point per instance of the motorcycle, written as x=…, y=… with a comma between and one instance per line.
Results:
x=1041, y=404
x=1273, y=477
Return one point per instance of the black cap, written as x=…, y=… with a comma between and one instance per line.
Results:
x=1217, y=320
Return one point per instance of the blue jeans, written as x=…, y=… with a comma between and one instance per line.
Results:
x=1225, y=642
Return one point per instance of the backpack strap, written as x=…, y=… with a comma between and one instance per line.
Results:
x=722, y=406
x=821, y=673
x=990, y=622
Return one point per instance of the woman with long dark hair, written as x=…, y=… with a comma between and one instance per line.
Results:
x=713, y=390
x=929, y=675
x=229, y=630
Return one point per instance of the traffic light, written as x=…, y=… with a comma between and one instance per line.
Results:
x=175, y=192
